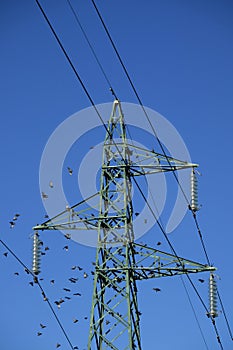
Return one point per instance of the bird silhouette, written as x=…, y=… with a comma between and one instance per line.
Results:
x=42, y=325
x=70, y=171
x=157, y=290
x=201, y=280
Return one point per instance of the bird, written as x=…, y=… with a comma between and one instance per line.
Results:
x=73, y=280
x=66, y=248
x=136, y=214
x=31, y=284
x=157, y=290
x=42, y=325
x=52, y=281
x=70, y=171
x=85, y=275
x=201, y=280
x=75, y=348
x=58, y=345
x=16, y=274
x=68, y=236
x=66, y=289
x=44, y=195
x=78, y=294
x=51, y=184
x=46, y=248
x=75, y=320
x=159, y=243
x=12, y=224
x=39, y=333
x=5, y=254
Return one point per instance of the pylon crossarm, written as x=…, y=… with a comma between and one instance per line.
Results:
x=144, y=161
x=78, y=217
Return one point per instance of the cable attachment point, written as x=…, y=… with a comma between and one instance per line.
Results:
x=212, y=297
x=36, y=253
x=113, y=93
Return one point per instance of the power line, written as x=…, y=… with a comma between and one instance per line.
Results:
x=161, y=146
x=93, y=104
x=194, y=312
x=42, y=291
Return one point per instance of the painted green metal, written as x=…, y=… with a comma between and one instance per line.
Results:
x=120, y=262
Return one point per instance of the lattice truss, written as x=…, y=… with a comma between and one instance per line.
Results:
x=120, y=262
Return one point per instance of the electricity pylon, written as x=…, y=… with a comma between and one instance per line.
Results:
x=120, y=261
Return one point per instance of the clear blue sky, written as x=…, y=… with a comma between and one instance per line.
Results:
x=179, y=55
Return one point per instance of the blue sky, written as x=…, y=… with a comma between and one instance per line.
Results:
x=179, y=55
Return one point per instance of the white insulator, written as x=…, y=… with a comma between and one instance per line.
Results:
x=212, y=297
x=194, y=193
x=36, y=254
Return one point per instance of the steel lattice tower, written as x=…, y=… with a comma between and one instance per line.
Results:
x=120, y=261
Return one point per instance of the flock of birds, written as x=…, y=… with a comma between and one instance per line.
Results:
x=72, y=281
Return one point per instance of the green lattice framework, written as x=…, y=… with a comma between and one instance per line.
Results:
x=120, y=262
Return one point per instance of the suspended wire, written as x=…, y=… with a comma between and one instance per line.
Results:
x=146, y=114
x=92, y=49
x=194, y=312
x=161, y=146
x=100, y=117
x=224, y=313
x=42, y=291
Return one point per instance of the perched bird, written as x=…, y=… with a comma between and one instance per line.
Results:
x=70, y=171
x=42, y=325
x=201, y=280
x=157, y=290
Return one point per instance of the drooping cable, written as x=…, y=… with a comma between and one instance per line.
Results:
x=194, y=312
x=100, y=117
x=161, y=146
x=37, y=282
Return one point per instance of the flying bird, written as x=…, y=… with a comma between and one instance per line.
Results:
x=201, y=280
x=42, y=325
x=58, y=345
x=159, y=243
x=75, y=320
x=78, y=294
x=68, y=236
x=12, y=224
x=52, y=281
x=70, y=171
x=39, y=333
x=44, y=195
x=5, y=254
x=66, y=248
x=73, y=280
x=66, y=289
x=85, y=275
x=157, y=290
